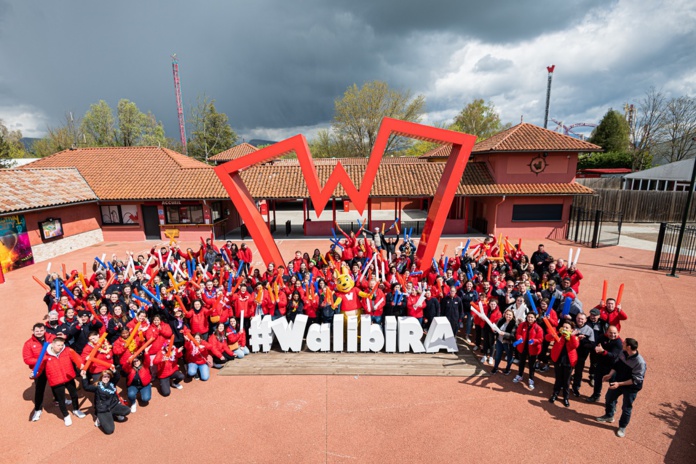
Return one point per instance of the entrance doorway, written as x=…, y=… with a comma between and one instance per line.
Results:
x=151, y=223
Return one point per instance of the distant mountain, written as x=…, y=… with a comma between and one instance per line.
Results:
x=28, y=142
x=258, y=142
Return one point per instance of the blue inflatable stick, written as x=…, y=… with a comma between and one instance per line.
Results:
x=518, y=342
x=39, y=360
x=531, y=303
x=566, y=307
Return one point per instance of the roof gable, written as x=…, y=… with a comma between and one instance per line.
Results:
x=26, y=189
x=139, y=173
x=525, y=137
x=235, y=152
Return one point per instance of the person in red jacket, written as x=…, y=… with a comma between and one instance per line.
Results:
x=196, y=357
x=529, y=340
x=103, y=354
x=139, y=380
x=612, y=313
x=237, y=337
x=219, y=348
x=30, y=352
x=60, y=373
x=167, y=363
x=198, y=318
x=160, y=331
x=564, y=355
x=572, y=273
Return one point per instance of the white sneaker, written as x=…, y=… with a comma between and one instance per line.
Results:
x=36, y=416
x=517, y=378
x=483, y=360
x=96, y=422
x=134, y=406
x=491, y=361
x=178, y=386
x=120, y=418
x=79, y=414
x=531, y=384
x=68, y=401
x=67, y=420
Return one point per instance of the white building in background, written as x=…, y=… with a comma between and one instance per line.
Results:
x=672, y=177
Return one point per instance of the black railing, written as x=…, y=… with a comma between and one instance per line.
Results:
x=594, y=227
x=667, y=246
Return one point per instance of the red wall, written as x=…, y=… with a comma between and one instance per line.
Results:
x=76, y=219
x=514, y=168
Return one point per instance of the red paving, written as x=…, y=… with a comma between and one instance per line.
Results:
x=377, y=419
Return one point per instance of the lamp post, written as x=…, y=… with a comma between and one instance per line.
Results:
x=685, y=216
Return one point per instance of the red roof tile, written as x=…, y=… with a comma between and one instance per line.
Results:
x=234, y=152
x=26, y=189
x=395, y=177
x=526, y=137
x=139, y=173
x=439, y=152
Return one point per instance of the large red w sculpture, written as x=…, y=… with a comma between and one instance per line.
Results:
x=462, y=145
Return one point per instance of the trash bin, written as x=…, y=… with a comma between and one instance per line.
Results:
x=288, y=228
x=243, y=231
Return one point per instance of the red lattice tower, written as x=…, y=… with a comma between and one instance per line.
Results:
x=179, y=104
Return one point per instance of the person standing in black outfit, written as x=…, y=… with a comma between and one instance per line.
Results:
x=625, y=379
x=599, y=327
x=432, y=309
x=587, y=343
x=539, y=258
x=608, y=349
x=106, y=402
x=452, y=308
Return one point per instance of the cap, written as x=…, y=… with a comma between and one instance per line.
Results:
x=83, y=313
x=594, y=312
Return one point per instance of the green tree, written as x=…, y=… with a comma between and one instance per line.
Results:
x=11, y=146
x=153, y=132
x=605, y=160
x=131, y=124
x=98, y=124
x=325, y=145
x=612, y=133
x=480, y=119
x=211, y=133
x=63, y=137
x=359, y=113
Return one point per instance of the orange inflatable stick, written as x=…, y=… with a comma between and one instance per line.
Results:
x=620, y=295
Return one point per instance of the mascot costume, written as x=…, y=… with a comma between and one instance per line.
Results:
x=348, y=296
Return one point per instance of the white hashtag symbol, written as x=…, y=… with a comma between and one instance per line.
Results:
x=260, y=333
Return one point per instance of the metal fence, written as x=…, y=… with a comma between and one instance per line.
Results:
x=667, y=246
x=594, y=227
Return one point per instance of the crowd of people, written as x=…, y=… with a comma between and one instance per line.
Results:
x=158, y=318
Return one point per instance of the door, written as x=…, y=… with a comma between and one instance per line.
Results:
x=151, y=223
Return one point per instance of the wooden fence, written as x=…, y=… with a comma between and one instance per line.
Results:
x=601, y=182
x=639, y=205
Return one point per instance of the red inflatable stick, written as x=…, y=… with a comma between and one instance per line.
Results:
x=38, y=281
x=620, y=295
x=141, y=349
x=93, y=353
x=462, y=144
x=604, y=292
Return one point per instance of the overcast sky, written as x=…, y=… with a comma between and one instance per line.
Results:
x=276, y=67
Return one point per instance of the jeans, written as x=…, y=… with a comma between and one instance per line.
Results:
x=59, y=393
x=629, y=396
x=241, y=352
x=175, y=378
x=469, y=323
x=377, y=320
x=106, y=419
x=145, y=393
x=202, y=369
x=499, y=348
x=532, y=361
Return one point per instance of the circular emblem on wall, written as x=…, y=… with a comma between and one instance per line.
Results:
x=538, y=164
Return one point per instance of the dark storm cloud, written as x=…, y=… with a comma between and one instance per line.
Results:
x=275, y=64
x=496, y=21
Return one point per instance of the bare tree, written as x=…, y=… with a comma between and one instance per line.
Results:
x=679, y=127
x=646, y=132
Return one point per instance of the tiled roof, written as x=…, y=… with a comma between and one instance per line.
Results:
x=442, y=151
x=26, y=189
x=139, y=173
x=395, y=177
x=234, y=152
x=526, y=137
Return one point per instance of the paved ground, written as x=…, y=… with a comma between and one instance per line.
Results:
x=378, y=419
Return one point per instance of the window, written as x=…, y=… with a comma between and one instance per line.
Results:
x=216, y=208
x=192, y=214
x=537, y=213
x=120, y=214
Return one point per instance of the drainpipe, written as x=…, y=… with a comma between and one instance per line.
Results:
x=496, y=215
